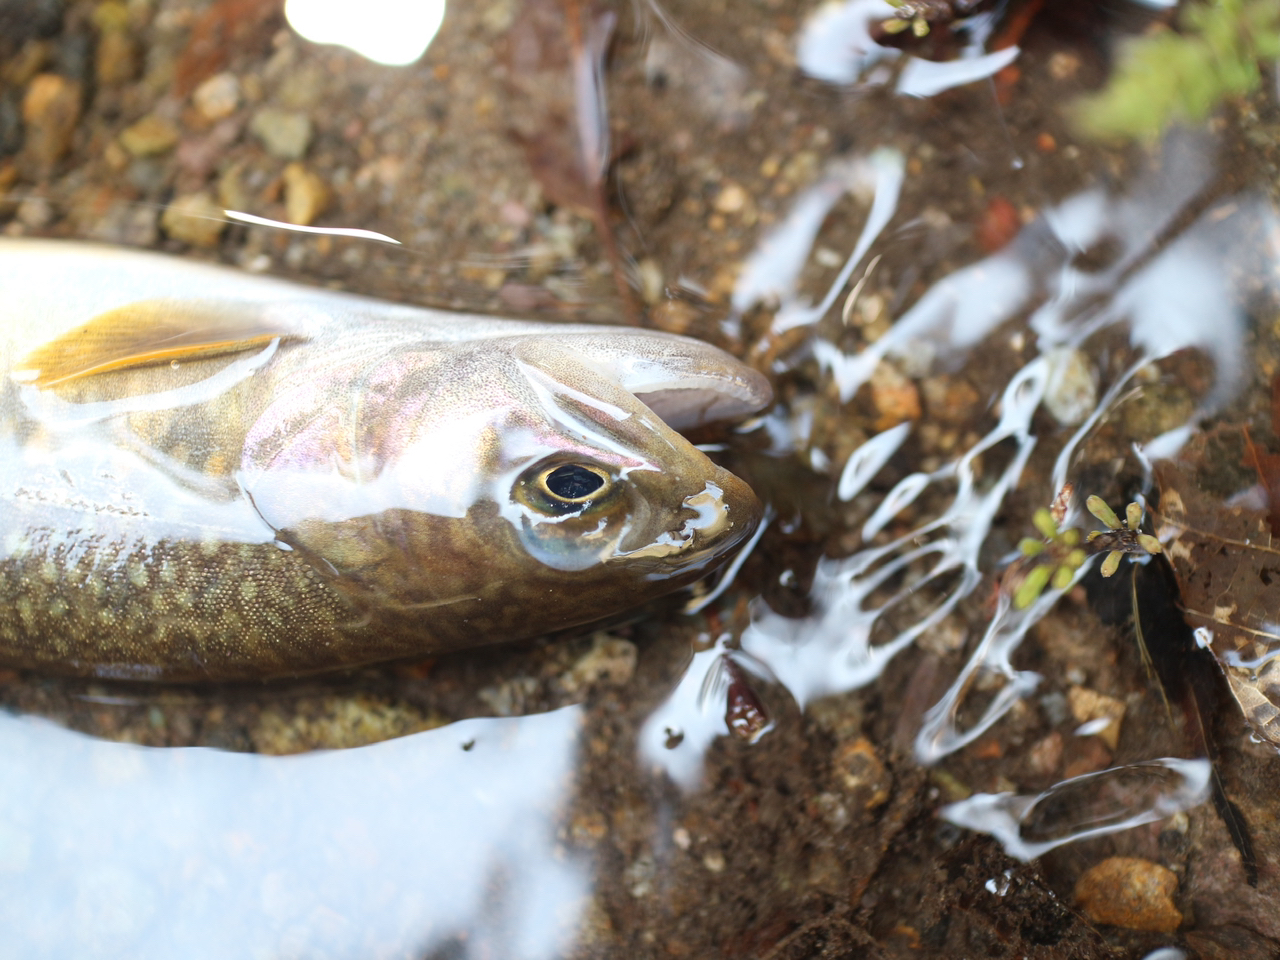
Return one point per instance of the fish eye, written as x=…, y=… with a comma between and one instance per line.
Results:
x=572, y=483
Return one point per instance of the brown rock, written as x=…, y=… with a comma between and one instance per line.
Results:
x=1129, y=892
x=861, y=772
x=149, y=137
x=1098, y=709
x=116, y=60
x=195, y=219
x=894, y=397
x=50, y=110
x=305, y=195
x=218, y=97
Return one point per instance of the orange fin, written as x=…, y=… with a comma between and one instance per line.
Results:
x=148, y=333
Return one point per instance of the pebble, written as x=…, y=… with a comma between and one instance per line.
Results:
x=283, y=133
x=1088, y=705
x=862, y=773
x=35, y=212
x=195, y=219
x=1045, y=756
x=116, y=56
x=149, y=137
x=50, y=110
x=894, y=396
x=731, y=199
x=1129, y=892
x=218, y=97
x=305, y=195
x=611, y=661
x=1072, y=391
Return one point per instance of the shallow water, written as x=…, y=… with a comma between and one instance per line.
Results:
x=585, y=797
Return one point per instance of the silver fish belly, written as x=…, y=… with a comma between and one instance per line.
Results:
x=210, y=475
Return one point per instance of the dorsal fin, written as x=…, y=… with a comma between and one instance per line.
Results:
x=147, y=333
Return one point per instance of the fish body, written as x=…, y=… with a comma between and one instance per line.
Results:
x=210, y=475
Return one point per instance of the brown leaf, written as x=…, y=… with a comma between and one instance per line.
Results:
x=1227, y=564
x=226, y=26
x=555, y=54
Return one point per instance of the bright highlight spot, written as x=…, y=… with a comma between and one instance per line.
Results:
x=394, y=32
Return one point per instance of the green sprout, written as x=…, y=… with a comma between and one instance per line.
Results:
x=1172, y=76
x=1119, y=538
x=1055, y=559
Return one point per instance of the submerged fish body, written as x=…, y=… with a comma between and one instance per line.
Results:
x=210, y=475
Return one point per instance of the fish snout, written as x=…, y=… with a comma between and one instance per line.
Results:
x=708, y=525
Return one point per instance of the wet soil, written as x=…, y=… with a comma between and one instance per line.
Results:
x=820, y=839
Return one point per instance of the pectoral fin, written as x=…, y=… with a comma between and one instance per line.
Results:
x=148, y=333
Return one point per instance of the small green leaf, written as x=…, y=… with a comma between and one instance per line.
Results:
x=1098, y=507
x=1062, y=577
x=1030, y=547
x=1030, y=588
x=1133, y=516
x=1111, y=564
x=1043, y=521
x=1150, y=543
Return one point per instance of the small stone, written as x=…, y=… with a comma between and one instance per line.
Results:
x=611, y=661
x=26, y=63
x=894, y=396
x=714, y=861
x=588, y=828
x=284, y=134
x=1090, y=707
x=35, y=212
x=116, y=57
x=1045, y=756
x=232, y=193
x=652, y=286
x=862, y=773
x=217, y=97
x=1072, y=390
x=149, y=137
x=50, y=110
x=305, y=195
x=195, y=219
x=1064, y=66
x=1129, y=892
x=731, y=199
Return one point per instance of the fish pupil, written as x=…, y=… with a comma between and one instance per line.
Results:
x=573, y=482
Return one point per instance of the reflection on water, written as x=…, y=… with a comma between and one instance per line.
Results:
x=835, y=45
x=1092, y=805
x=390, y=850
x=1172, y=246
x=394, y=32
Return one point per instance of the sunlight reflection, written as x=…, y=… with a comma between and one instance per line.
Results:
x=389, y=850
x=393, y=32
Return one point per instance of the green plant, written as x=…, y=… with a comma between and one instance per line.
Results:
x=1182, y=76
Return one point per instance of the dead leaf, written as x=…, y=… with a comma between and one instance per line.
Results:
x=227, y=26
x=1227, y=565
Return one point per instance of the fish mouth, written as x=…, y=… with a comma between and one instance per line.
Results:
x=713, y=521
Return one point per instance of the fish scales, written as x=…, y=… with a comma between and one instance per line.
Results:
x=210, y=475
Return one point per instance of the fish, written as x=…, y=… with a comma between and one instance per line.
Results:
x=211, y=475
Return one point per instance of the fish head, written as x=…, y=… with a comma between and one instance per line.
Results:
x=523, y=485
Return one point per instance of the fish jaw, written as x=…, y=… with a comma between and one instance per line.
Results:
x=715, y=521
